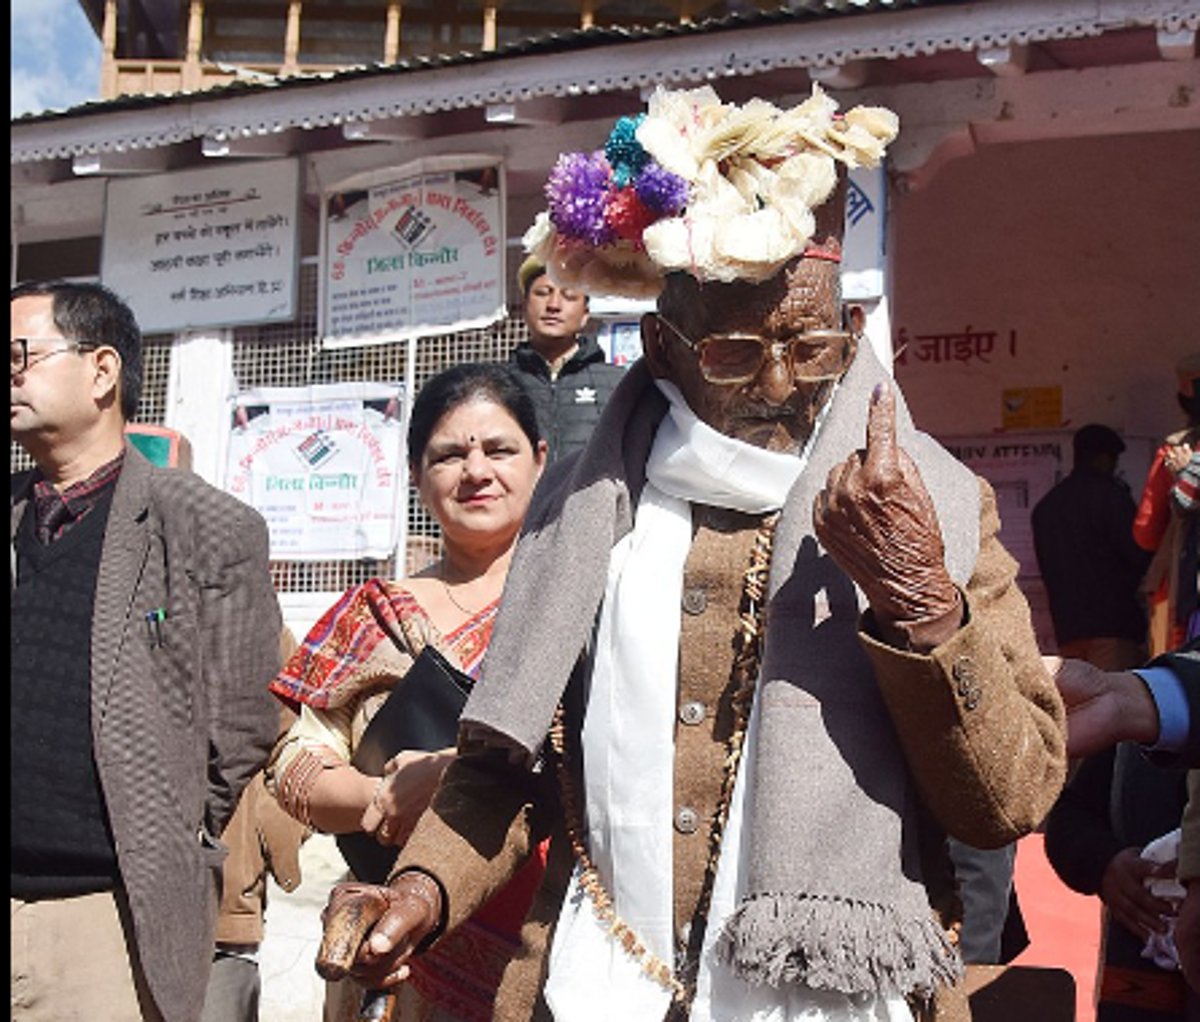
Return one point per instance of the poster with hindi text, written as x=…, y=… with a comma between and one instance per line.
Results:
x=204, y=248
x=413, y=251
x=324, y=465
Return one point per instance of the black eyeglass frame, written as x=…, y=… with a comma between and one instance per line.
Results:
x=22, y=344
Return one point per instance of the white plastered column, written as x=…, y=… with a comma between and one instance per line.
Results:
x=199, y=387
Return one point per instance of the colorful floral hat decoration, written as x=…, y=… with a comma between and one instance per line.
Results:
x=720, y=191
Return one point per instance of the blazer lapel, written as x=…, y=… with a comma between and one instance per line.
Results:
x=126, y=545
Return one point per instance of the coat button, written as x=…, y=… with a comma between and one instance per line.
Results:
x=686, y=820
x=694, y=601
x=692, y=713
x=971, y=699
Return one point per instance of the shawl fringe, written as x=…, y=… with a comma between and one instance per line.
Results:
x=834, y=944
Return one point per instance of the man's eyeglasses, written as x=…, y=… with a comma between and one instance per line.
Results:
x=19, y=351
x=812, y=357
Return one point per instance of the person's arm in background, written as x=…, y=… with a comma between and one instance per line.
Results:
x=1153, y=511
x=1087, y=854
x=1157, y=706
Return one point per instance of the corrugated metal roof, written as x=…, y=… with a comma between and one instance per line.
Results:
x=549, y=43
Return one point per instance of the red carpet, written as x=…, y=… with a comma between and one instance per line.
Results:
x=1064, y=927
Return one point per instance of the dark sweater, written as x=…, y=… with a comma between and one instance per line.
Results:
x=60, y=838
x=568, y=407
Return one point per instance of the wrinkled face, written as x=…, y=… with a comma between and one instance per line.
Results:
x=56, y=396
x=553, y=314
x=771, y=409
x=477, y=473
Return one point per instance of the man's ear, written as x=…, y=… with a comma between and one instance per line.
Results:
x=856, y=317
x=106, y=384
x=654, y=346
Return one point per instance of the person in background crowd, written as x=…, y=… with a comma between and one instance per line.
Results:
x=144, y=630
x=1115, y=804
x=760, y=647
x=475, y=454
x=1090, y=564
x=563, y=369
x=1161, y=528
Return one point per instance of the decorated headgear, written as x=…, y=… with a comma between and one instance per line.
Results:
x=719, y=191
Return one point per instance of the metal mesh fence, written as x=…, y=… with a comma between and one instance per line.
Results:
x=290, y=355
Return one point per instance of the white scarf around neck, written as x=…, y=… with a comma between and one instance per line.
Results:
x=628, y=752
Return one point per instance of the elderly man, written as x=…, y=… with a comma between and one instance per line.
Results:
x=760, y=648
x=144, y=631
x=563, y=369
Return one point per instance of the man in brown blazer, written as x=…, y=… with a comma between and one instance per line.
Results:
x=760, y=648
x=144, y=630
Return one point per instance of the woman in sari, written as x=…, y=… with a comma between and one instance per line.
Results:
x=474, y=454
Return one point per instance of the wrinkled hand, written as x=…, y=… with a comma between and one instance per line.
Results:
x=1187, y=935
x=876, y=519
x=372, y=930
x=410, y=781
x=1103, y=707
x=1123, y=890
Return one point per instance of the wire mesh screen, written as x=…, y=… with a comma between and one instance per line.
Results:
x=156, y=369
x=290, y=355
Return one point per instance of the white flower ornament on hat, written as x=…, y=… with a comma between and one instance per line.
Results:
x=720, y=191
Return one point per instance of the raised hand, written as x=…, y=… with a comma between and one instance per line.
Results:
x=877, y=520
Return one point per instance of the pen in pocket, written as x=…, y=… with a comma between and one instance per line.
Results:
x=154, y=620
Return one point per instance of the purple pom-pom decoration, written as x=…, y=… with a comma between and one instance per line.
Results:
x=576, y=193
x=661, y=191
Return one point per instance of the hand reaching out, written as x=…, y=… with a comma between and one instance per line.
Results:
x=877, y=520
x=1103, y=707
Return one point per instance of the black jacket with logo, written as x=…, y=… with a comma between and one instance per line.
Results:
x=568, y=407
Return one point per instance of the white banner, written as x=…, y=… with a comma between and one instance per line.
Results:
x=413, y=250
x=324, y=465
x=204, y=248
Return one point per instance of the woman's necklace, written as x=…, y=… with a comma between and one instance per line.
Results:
x=743, y=676
x=450, y=592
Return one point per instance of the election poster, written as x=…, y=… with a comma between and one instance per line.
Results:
x=413, y=250
x=324, y=465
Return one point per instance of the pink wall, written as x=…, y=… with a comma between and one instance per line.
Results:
x=1089, y=251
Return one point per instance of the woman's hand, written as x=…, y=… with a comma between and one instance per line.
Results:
x=401, y=795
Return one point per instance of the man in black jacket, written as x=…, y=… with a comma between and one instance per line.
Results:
x=564, y=371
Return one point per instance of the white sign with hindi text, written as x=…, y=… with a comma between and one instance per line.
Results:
x=204, y=248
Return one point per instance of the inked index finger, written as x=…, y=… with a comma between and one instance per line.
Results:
x=881, y=430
